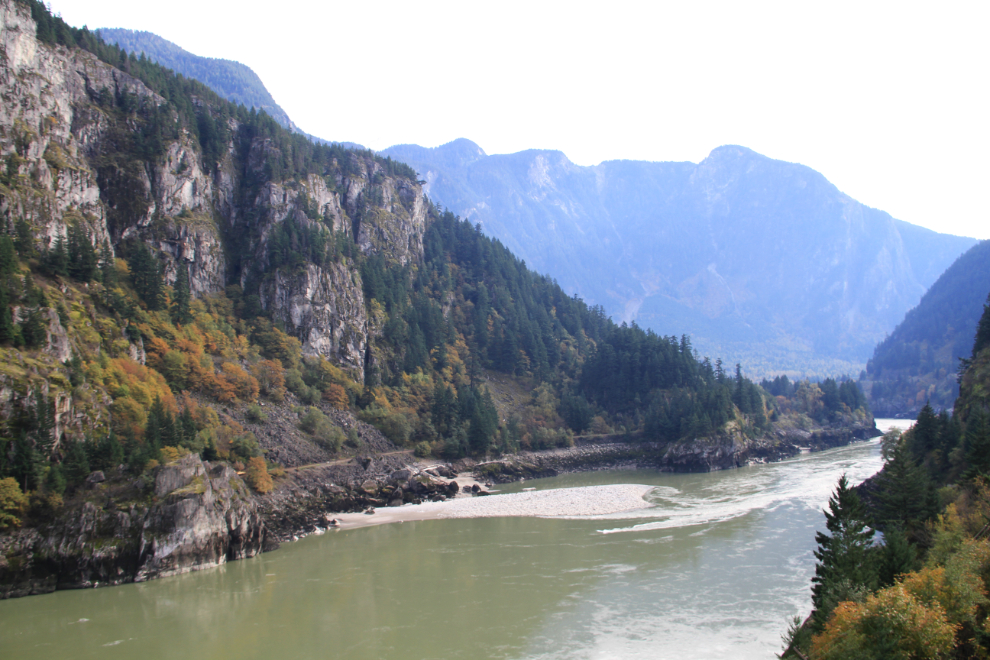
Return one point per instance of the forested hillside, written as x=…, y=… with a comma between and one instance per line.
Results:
x=921, y=592
x=919, y=361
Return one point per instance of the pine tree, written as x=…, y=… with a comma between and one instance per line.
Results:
x=902, y=491
x=977, y=442
x=898, y=556
x=181, y=296
x=108, y=266
x=82, y=256
x=57, y=258
x=7, y=329
x=8, y=256
x=76, y=463
x=845, y=564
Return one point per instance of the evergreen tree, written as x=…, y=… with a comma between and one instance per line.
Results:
x=82, y=256
x=897, y=557
x=108, y=267
x=8, y=256
x=902, y=492
x=76, y=463
x=23, y=239
x=977, y=442
x=845, y=564
x=146, y=276
x=181, y=296
x=56, y=260
x=7, y=329
x=33, y=330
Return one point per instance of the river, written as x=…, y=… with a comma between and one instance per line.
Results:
x=714, y=570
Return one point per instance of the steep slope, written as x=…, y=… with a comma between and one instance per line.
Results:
x=762, y=261
x=918, y=362
x=232, y=80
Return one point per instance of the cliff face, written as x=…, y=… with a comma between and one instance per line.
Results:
x=201, y=516
x=68, y=131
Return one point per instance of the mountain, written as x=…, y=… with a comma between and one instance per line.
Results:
x=194, y=301
x=231, y=80
x=918, y=362
x=761, y=261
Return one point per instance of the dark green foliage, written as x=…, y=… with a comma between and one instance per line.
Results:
x=33, y=328
x=105, y=454
x=23, y=238
x=982, y=339
x=75, y=462
x=8, y=256
x=898, y=556
x=576, y=411
x=7, y=328
x=181, y=295
x=108, y=267
x=55, y=481
x=977, y=443
x=82, y=264
x=56, y=258
x=902, y=494
x=845, y=562
x=146, y=276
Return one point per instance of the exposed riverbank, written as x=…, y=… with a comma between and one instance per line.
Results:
x=191, y=515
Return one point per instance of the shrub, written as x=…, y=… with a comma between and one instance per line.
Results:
x=336, y=396
x=245, y=446
x=255, y=414
x=326, y=433
x=423, y=449
x=271, y=378
x=12, y=503
x=257, y=475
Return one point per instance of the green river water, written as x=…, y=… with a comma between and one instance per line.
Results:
x=714, y=570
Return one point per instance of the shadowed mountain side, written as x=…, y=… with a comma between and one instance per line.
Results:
x=760, y=260
x=919, y=361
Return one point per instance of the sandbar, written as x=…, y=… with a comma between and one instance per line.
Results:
x=551, y=503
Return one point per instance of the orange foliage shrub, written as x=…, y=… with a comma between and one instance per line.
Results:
x=336, y=397
x=245, y=385
x=257, y=475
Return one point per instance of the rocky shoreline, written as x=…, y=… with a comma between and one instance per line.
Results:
x=191, y=514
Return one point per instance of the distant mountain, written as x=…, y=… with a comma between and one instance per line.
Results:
x=761, y=261
x=919, y=360
x=232, y=80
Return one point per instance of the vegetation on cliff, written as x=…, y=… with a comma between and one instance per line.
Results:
x=922, y=592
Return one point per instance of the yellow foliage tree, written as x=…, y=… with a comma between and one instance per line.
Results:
x=257, y=475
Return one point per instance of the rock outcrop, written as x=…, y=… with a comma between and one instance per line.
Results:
x=200, y=516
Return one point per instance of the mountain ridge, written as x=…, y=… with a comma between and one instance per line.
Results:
x=706, y=247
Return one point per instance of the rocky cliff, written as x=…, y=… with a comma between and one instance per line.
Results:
x=74, y=136
x=188, y=516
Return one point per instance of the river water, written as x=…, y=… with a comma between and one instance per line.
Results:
x=714, y=570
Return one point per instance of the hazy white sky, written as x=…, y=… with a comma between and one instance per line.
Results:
x=890, y=101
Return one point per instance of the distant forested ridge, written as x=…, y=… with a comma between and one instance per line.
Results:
x=918, y=362
x=760, y=261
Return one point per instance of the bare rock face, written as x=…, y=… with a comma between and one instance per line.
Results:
x=205, y=516
x=325, y=307
x=202, y=516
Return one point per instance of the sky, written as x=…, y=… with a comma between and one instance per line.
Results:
x=889, y=101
